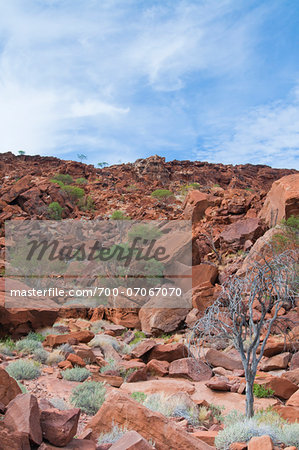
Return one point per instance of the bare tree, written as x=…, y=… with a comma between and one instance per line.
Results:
x=268, y=285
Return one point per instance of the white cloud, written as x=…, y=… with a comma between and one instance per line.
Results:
x=94, y=108
x=264, y=135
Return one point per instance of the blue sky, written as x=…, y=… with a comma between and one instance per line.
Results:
x=117, y=80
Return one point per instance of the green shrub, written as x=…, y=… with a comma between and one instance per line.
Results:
x=60, y=183
x=59, y=403
x=76, y=374
x=144, y=231
x=139, y=335
x=23, y=370
x=243, y=429
x=112, y=436
x=74, y=192
x=81, y=181
x=111, y=365
x=65, y=348
x=55, y=211
x=86, y=203
x=261, y=391
x=28, y=346
x=119, y=215
x=55, y=357
x=62, y=178
x=40, y=355
x=35, y=336
x=161, y=194
x=7, y=346
x=88, y=396
x=174, y=405
x=140, y=397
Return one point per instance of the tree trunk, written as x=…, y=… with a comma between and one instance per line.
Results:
x=249, y=398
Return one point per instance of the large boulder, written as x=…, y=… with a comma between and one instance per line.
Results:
x=195, y=205
x=191, y=369
x=168, y=352
x=282, y=200
x=59, y=427
x=121, y=410
x=276, y=362
x=53, y=340
x=9, y=388
x=23, y=416
x=13, y=440
x=204, y=273
x=236, y=234
x=260, y=443
x=220, y=359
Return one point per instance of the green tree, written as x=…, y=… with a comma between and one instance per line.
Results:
x=21, y=152
x=161, y=194
x=55, y=211
x=81, y=156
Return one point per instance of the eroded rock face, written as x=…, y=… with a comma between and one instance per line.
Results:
x=282, y=200
x=169, y=352
x=236, y=234
x=23, y=416
x=121, y=409
x=9, y=388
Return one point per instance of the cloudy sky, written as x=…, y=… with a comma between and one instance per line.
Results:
x=117, y=80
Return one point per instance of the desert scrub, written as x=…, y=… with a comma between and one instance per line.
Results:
x=74, y=192
x=81, y=181
x=23, y=369
x=119, y=215
x=112, y=436
x=139, y=335
x=140, y=397
x=240, y=429
x=65, y=349
x=104, y=341
x=59, y=403
x=261, y=391
x=161, y=194
x=76, y=374
x=88, y=396
x=55, y=211
x=7, y=346
x=111, y=365
x=97, y=326
x=34, y=336
x=175, y=405
x=27, y=346
x=64, y=178
x=55, y=357
x=40, y=355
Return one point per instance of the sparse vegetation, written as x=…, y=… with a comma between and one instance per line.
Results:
x=119, y=215
x=55, y=211
x=86, y=203
x=112, y=436
x=65, y=349
x=140, y=397
x=76, y=374
x=74, y=192
x=64, y=178
x=23, y=369
x=103, y=164
x=81, y=181
x=55, y=357
x=139, y=335
x=81, y=156
x=88, y=396
x=261, y=391
x=41, y=355
x=27, y=346
x=59, y=403
x=161, y=194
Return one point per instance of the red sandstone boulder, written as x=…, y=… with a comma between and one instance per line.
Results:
x=9, y=388
x=276, y=362
x=131, y=441
x=13, y=440
x=168, y=352
x=76, y=360
x=292, y=375
x=143, y=348
x=219, y=384
x=195, y=205
x=53, y=340
x=221, y=359
x=191, y=369
x=294, y=364
x=23, y=416
x=294, y=400
x=120, y=409
x=282, y=387
x=59, y=427
x=155, y=367
x=282, y=200
x=238, y=232
x=260, y=443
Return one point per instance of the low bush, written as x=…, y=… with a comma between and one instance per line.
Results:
x=28, y=346
x=104, y=341
x=59, y=403
x=35, y=336
x=161, y=194
x=243, y=429
x=55, y=211
x=41, y=355
x=55, y=357
x=76, y=374
x=88, y=396
x=112, y=436
x=175, y=405
x=81, y=181
x=74, y=192
x=7, y=346
x=86, y=203
x=139, y=335
x=65, y=348
x=23, y=369
x=64, y=178
x=140, y=397
x=261, y=391
x=119, y=215
x=111, y=365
